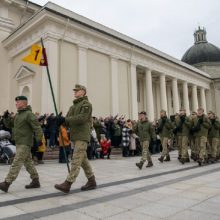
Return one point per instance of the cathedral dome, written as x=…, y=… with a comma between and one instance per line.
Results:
x=201, y=51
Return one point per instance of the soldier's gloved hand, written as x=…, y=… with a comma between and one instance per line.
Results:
x=200, y=120
x=213, y=121
x=6, y=114
x=60, y=120
x=182, y=118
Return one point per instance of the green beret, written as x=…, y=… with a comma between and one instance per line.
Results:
x=21, y=97
x=79, y=87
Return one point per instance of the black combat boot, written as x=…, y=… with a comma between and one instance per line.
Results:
x=34, y=184
x=161, y=159
x=187, y=160
x=64, y=187
x=179, y=157
x=167, y=158
x=182, y=161
x=91, y=184
x=140, y=165
x=150, y=164
x=4, y=186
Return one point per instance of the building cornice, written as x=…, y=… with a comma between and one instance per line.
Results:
x=48, y=25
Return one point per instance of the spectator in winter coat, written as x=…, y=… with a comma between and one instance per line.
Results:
x=105, y=147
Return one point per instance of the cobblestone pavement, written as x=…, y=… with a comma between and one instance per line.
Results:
x=166, y=191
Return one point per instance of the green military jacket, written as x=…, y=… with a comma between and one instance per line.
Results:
x=79, y=119
x=145, y=131
x=116, y=130
x=25, y=127
x=167, y=128
x=182, y=128
x=203, y=128
x=214, y=129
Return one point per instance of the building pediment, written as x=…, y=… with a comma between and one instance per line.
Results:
x=23, y=72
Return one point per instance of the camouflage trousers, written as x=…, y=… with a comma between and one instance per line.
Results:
x=22, y=157
x=183, y=146
x=164, y=142
x=79, y=160
x=212, y=147
x=218, y=149
x=145, y=151
x=200, y=144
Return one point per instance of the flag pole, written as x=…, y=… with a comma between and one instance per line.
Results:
x=55, y=107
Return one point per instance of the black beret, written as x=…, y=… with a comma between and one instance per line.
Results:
x=21, y=97
x=143, y=113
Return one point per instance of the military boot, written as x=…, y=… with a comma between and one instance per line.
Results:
x=34, y=184
x=140, y=165
x=161, y=159
x=187, y=160
x=91, y=184
x=150, y=164
x=4, y=186
x=182, y=160
x=64, y=187
x=167, y=158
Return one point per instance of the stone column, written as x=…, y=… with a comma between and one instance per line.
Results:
x=186, y=97
x=163, y=92
x=47, y=106
x=133, y=92
x=114, y=87
x=82, y=65
x=176, y=103
x=209, y=100
x=149, y=94
x=169, y=99
x=158, y=99
x=194, y=98
x=203, y=100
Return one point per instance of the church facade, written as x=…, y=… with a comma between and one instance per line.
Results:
x=123, y=76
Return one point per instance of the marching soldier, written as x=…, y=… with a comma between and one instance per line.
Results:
x=164, y=129
x=25, y=125
x=194, y=148
x=182, y=129
x=213, y=137
x=145, y=131
x=79, y=119
x=200, y=128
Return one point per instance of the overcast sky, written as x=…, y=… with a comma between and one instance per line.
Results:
x=167, y=25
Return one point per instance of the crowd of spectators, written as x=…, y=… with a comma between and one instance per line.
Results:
x=106, y=133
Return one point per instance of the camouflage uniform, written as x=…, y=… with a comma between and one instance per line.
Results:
x=145, y=132
x=164, y=129
x=25, y=126
x=213, y=139
x=79, y=120
x=200, y=128
x=182, y=128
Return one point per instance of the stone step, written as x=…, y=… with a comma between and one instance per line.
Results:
x=52, y=154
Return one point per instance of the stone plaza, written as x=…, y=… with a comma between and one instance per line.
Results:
x=168, y=190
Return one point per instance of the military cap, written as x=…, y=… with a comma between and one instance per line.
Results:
x=21, y=97
x=211, y=112
x=79, y=87
x=143, y=113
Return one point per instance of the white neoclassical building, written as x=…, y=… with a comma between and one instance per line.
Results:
x=123, y=76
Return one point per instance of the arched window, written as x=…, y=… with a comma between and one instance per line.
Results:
x=26, y=92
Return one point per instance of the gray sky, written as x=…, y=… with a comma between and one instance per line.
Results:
x=166, y=25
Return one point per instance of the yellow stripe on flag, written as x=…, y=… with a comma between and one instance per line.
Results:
x=35, y=56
